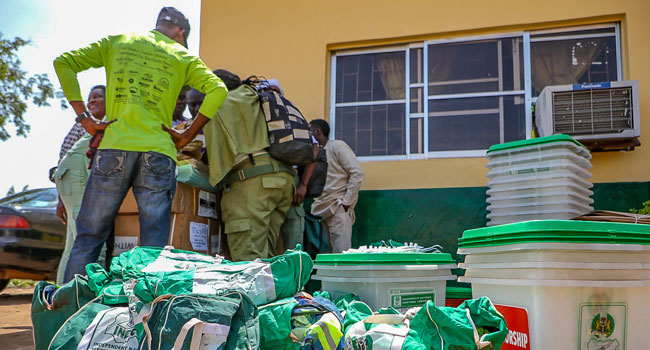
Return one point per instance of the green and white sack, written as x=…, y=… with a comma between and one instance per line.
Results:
x=474, y=324
x=49, y=313
x=161, y=271
x=98, y=327
x=207, y=322
x=386, y=330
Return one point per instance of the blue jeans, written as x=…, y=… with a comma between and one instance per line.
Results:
x=153, y=178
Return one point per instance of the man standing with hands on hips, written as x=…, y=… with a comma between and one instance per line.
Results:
x=144, y=76
x=344, y=177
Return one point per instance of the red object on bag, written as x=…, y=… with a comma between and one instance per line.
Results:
x=92, y=147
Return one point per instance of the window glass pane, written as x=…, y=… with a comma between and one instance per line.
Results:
x=477, y=66
x=415, y=69
x=475, y=123
x=370, y=77
x=572, y=61
x=376, y=130
x=417, y=100
x=417, y=135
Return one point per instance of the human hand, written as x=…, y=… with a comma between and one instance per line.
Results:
x=93, y=126
x=299, y=196
x=61, y=213
x=180, y=138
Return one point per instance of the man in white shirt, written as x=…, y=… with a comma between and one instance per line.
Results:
x=344, y=177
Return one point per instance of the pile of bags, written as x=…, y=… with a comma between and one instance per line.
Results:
x=348, y=323
x=163, y=298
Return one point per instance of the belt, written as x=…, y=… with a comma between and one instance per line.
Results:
x=244, y=174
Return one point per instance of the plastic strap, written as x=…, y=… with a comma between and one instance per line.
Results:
x=196, y=334
x=480, y=343
x=442, y=342
x=145, y=318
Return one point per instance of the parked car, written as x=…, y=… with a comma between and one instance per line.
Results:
x=32, y=238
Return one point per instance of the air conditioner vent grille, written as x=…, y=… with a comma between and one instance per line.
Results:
x=591, y=112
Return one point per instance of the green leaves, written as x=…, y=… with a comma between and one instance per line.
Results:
x=16, y=89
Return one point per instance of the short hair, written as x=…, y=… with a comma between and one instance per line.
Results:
x=231, y=80
x=322, y=125
x=195, y=91
x=101, y=87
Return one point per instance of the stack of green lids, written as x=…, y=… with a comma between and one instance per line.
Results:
x=556, y=231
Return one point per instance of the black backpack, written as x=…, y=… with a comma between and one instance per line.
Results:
x=289, y=132
x=316, y=183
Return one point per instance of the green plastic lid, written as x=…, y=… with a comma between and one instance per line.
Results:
x=535, y=141
x=568, y=231
x=385, y=259
x=458, y=293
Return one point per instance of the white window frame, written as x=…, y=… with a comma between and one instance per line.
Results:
x=526, y=93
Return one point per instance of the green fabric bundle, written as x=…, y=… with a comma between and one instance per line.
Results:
x=50, y=312
x=160, y=271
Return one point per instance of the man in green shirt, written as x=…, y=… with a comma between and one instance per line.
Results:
x=144, y=76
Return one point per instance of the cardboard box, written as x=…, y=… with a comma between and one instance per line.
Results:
x=187, y=200
x=187, y=232
x=127, y=233
x=193, y=233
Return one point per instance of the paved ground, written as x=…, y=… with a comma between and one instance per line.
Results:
x=15, y=321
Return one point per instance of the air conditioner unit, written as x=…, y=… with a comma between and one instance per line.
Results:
x=602, y=116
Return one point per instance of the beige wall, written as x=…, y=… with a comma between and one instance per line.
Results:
x=291, y=40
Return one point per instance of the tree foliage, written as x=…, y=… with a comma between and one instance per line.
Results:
x=17, y=88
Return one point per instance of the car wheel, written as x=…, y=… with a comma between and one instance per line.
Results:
x=3, y=284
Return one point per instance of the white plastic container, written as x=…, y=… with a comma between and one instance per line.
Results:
x=521, y=181
x=506, y=216
x=584, y=285
x=539, y=189
x=398, y=280
x=534, y=158
x=549, y=144
x=544, y=167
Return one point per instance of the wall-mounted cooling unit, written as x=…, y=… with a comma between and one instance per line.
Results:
x=602, y=116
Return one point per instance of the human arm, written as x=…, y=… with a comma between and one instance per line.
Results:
x=60, y=212
x=91, y=125
x=301, y=191
x=202, y=79
x=352, y=167
x=182, y=138
x=68, y=65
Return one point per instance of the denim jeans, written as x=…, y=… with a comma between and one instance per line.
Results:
x=153, y=178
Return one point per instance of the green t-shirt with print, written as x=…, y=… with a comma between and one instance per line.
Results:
x=144, y=76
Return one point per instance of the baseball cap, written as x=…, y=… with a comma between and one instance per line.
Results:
x=171, y=14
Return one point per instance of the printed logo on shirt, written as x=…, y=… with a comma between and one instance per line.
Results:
x=147, y=77
x=164, y=83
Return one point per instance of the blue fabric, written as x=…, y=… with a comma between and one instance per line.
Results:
x=153, y=178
